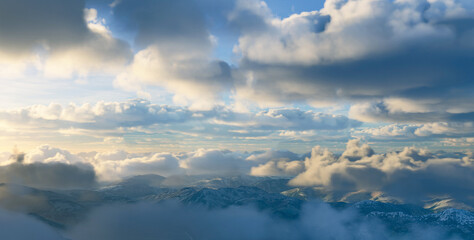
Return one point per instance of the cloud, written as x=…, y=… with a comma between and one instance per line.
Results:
x=398, y=52
x=278, y=168
x=45, y=165
x=125, y=165
x=23, y=227
x=54, y=22
x=358, y=168
x=175, y=51
x=388, y=111
x=57, y=40
x=411, y=131
x=170, y=24
x=410, y=56
x=215, y=162
x=102, y=115
x=170, y=220
x=291, y=119
x=48, y=154
x=276, y=163
x=117, y=165
x=412, y=175
x=114, y=123
x=463, y=142
x=350, y=29
x=355, y=151
x=48, y=167
x=49, y=175
x=196, y=80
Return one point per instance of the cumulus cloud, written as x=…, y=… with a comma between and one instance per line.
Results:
x=48, y=167
x=195, y=80
x=128, y=165
x=116, y=166
x=58, y=39
x=175, y=51
x=276, y=163
x=65, y=167
x=399, y=52
x=410, y=131
x=48, y=154
x=278, y=168
x=412, y=175
x=102, y=115
x=350, y=30
x=290, y=119
x=111, y=122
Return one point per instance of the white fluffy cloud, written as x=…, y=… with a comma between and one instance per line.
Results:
x=349, y=30
x=175, y=52
x=412, y=175
x=411, y=55
x=102, y=115
x=122, y=166
x=278, y=168
x=288, y=119
x=276, y=163
x=407, y=131
x=195, y=80
x=117, y=123
x=48, y=167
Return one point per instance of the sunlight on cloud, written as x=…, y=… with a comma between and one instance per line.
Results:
x=352, y=121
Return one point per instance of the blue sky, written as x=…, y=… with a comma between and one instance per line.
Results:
x=96, y=75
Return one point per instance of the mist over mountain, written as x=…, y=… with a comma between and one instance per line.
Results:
x=356, y=194
x=143, y=207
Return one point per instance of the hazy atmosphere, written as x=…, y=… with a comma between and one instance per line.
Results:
x=237, y=119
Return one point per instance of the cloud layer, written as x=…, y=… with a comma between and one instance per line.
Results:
x=111, y=123
x=411, y=175
x=174, y=221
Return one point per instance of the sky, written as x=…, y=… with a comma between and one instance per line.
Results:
x=236, y=75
